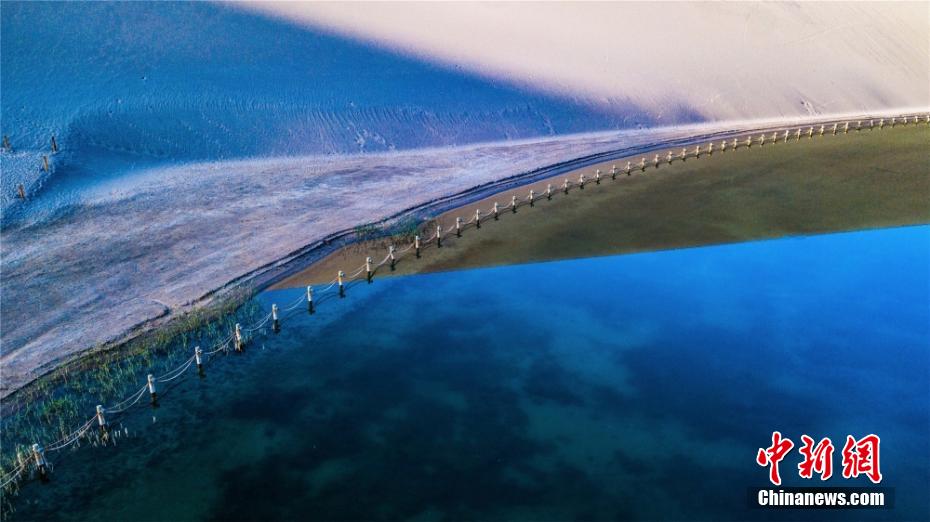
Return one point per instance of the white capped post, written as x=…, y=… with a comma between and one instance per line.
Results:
x=565, y=186
x=495, y=210
x=438, y=236
x=477, y=218
x=101, y=419
x=710, y=148
x=822, y=128
x=549, y=191
x=416, y=242
x=762, y=139
x=668, y=157
x=342, y=289
x=458, y=228
x=597, y=176
x=655, y=162
x=38, y=453
x=391, y=250
x=810, y=132
x=684, y=154
x=152, y=393
x=697, y=151
x=642, y=164
x=881, y=123
x=846, y=128
x=198, y=359
x=834, y=128
x=531, y=197
x=581, y=180
x=797, y=135
x=275, y=325
x=309, y=299
x=723, y=146
x=748, y=142
x=238, y=336
x=613, y=171
x=628, y=168
x=513, y=204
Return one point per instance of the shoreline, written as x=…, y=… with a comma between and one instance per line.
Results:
x=270, y=274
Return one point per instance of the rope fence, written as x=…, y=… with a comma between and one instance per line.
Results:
x=240, y=336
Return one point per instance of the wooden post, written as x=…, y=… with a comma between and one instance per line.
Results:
x=565, y=186
x=549, y=191
x=810, y=133
x=710, y=148
x=859, y=125
x=531, y=197
x=871, y=124
x=786, y=135
x=513, y=204
x=238, y=336
x=834, y=129
x=797, y=135
x=748, y=142
x=762, y=139
x=368, y=271
x=152, y=392
x=416, y=239
x=45, y=163
x=495, y=210
x=684, y=154
x=391, y=256
x=597, y=177
x=903, y=120
x=881, y=124
x=628, y=167
x=309, y=299
x=342, y=288
x=198, y=359
x=38, y=453
x=54, y=145
x=275, y=324
x=21, y=190
x=723, y=146
x=101, y=419
x=697, y=151
x=846, y=128
x=774, y=138
x=438, y=236
x=477, y=218
x=668, y=157
x=821, y=130
x=642, y=164
x=581, y=181
x=655, y=162
x=735, y=144
x=458, y=228
x=613, y=171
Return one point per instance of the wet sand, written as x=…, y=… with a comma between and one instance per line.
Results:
x=866, y=179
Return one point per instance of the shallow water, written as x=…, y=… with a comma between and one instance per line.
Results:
x=609, y=388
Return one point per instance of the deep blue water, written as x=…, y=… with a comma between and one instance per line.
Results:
x=636, y=386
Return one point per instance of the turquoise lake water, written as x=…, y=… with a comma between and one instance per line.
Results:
x=636, y=386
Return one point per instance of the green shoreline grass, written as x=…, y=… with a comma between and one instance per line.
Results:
x=866, y=179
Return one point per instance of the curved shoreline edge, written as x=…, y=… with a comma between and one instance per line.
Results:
x=264, y=276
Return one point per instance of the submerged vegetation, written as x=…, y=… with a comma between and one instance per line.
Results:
x=54, y=405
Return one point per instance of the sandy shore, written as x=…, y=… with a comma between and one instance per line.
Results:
x=860, y=180
x=127, y=261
